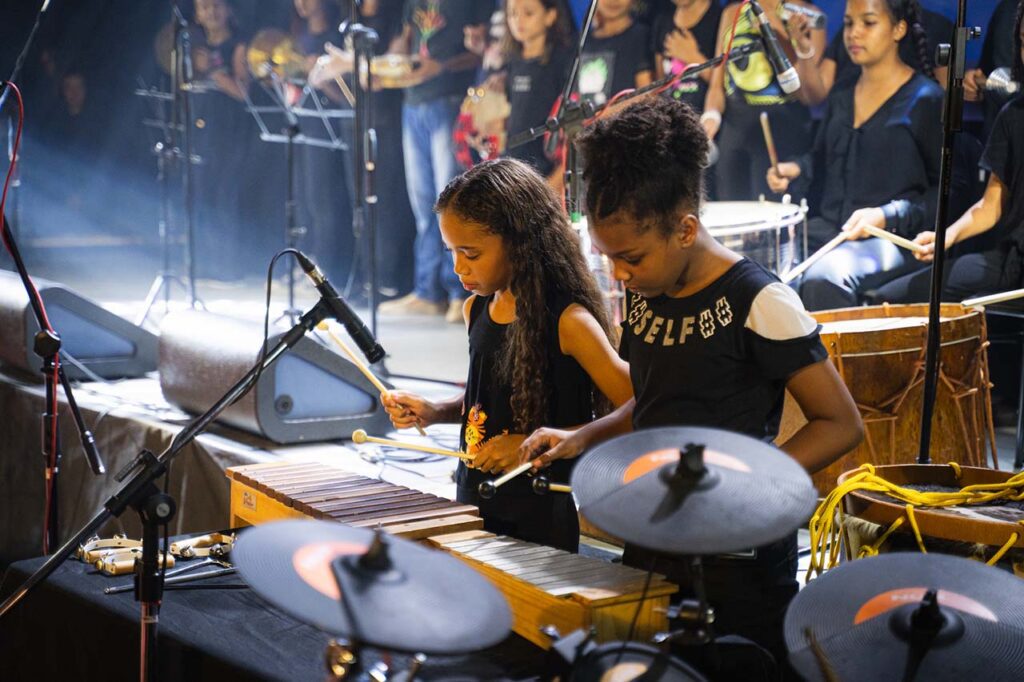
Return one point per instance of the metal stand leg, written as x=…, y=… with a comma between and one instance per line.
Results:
x=1018, y=459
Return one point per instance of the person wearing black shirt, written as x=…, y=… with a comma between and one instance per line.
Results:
x=683, y=37
x=539, y=350
x=1002, y=205
x=740, y=91
x=434, y=34
x=616, y=54
x=877, y=153
x=538, y=56
x=712, y=339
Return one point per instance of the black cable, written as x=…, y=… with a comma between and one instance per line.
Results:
x=24, y=51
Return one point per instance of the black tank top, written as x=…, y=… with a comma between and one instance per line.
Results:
x=487, y=409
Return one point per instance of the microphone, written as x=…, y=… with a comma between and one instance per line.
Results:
x=341, y=311
x=785, y=74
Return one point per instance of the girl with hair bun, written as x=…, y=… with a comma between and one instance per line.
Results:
x=876, y=156
x=712, y=339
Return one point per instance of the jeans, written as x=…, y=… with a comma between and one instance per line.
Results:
x=969, y=275
x=842, y=278
x=429, y=165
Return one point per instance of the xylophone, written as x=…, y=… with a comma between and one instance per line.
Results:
x=546, y=586
x=270, y=492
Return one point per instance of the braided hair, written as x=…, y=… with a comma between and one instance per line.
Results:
x=1018, y=65
x=510, y=199
x=910, y=12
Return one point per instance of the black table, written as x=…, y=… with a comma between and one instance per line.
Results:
x=68, y=629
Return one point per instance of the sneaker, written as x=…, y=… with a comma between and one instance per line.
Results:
x=411, y=305
x=454, y=313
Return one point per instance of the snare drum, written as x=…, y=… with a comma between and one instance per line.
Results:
x=772, y=234
x=879, y=353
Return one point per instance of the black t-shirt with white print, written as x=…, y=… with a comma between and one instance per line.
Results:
x=721, y=357
x=610, y=65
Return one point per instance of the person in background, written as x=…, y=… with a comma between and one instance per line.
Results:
x=1002, y=207
x=997, y=50
x=221, y=76
x=537, y=53
x=739, y=92
x=616, y=54
x=434, y=33
x=877, y=152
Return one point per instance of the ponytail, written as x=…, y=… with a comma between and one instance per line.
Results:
x=1018, y=66
x=914, y=23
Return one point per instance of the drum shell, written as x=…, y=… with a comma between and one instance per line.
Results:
x=769, y=233
x=883, y=369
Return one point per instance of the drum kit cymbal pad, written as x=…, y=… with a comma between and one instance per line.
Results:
x=681, y=491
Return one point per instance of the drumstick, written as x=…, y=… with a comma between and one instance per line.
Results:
x=488, y=488
x=359, y=436
x=361, y=367
x=769, y=142
x=894, y=238
x=790, y=275
x=993, y=298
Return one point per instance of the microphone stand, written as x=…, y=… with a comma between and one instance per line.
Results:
x=952, y=113
x=364, y=215
x=156, y=508
x=181, y=87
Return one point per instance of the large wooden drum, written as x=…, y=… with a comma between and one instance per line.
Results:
x=879, y=352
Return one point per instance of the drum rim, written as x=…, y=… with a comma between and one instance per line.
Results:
x=934, y=523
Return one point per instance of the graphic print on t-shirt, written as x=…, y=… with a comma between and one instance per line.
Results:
x=655, y=329
x=595, y=80
x=476, y=432
x=428, y=20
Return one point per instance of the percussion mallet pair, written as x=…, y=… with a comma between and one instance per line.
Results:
x=541, y=485
x=361, y=366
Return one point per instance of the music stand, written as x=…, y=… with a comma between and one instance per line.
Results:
x=277, y=89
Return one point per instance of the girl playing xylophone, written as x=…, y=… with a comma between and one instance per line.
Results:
x=538, y=343
x=712, y=339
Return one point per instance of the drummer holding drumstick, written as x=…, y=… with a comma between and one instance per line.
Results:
x=996, y=269
x=877, y=151
x=712, y=339
x=539, y=350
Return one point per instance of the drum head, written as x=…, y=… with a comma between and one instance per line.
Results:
x=623, y=661
x=725, y=218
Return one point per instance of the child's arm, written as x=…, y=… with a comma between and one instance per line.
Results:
x=408, y=409
x=977, y=219
x=546, y=445
x=580, y=336
x=833, y=427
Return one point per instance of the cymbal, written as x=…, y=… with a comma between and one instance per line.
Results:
x=749, y=493
x=273, y=51
x=859, y=616
x=409, y=598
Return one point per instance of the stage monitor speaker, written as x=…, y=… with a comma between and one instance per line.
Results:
x=310, y=394
x=108, y=345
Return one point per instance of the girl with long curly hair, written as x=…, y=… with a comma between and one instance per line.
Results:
x=539, y=345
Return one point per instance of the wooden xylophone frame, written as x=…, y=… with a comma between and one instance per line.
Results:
x=546, y=586
x=302, y=490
